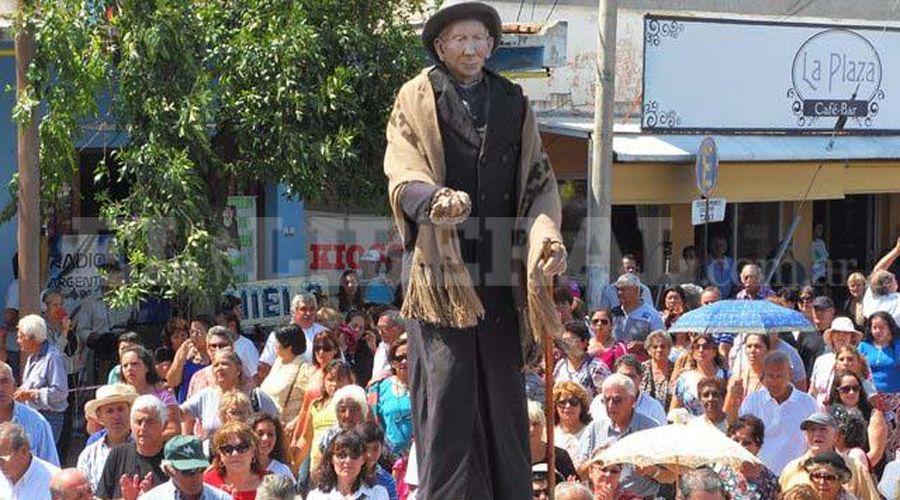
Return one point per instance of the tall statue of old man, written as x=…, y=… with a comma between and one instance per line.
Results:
x=477, y=204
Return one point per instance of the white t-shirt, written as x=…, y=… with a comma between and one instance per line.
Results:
x=890, y=480
x=784, y=441
x=381, y=367
x=249, y=355
x=268, y=352
x=376, y=492
x=889, y=303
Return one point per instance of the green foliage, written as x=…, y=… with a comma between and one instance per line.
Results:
x=216, y=94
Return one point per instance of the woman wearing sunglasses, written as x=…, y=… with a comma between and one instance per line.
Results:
x=828, y=472
x=605, y=480
x=750, y=481
x=390, y=400
x=342, y=472
x=848, y=389
x=705, y=362
x=236, y=467
x=572, y=417
x=602, y=344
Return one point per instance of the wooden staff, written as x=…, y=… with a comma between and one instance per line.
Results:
x=549, y=413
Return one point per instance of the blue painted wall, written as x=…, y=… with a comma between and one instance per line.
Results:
x=8, y=164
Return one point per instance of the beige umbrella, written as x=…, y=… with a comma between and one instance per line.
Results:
x=677, y=445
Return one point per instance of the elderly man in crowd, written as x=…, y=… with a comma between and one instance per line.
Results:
x=111, y=407
x=70, y=484
x=390, y=327
x=644, y=404
x=702, y=484
x=820, y=431
x=710, y=295
x=782, y=408
x=619, y=393
x=45, y=383
x=737, y=358
x=751, y=276
x=184, y=462
x=28, y=477
x=303, y=314
x=634, y=318
x=40, y=435
x=139, y=461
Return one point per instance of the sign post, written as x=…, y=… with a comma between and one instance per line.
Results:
x=706, y=174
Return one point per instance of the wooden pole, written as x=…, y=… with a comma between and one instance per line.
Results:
x=29, y=213
x=599, y=220
x=549, y=414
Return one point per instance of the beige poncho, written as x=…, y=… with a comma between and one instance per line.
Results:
x=440, y=288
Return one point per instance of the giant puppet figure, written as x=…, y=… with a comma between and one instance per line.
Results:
x=476, y=202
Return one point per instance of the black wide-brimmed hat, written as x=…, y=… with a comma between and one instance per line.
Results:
x=450, y=14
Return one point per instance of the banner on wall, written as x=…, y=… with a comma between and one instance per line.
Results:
x=239, y=221
x=335, y=242
x=268, y=302
x=75, y=263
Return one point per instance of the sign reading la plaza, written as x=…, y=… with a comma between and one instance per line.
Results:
x=719, y=75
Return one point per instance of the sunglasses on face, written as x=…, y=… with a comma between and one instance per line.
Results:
x=192, y=472
x=846, y=389
x=228, y=449
x=568, y=402
x=323, y=348
x=399, y=358
x=823, y=476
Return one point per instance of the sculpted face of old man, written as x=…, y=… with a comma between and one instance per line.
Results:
x=464, y=47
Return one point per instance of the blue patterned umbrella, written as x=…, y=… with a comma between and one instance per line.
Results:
x=742, y=316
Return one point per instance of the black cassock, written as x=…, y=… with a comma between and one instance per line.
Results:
x=469, y=408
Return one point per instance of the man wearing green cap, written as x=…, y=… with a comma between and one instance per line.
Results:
x=184, y=462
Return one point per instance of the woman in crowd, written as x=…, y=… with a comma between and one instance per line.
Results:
x=189, y=358
x=848, y=358
x=320, y=416
x=537, y=442
x=175, y=332
x=882, y=352
x=234, y=406
x=851, y=433
x=272, y=444
x=604, y=480
x=705, y=362
x=711, y=391
x=204, y=405
x=572, y=417
x=681, y=347
x=342, y=472
x=790, y=298
x=828, y=473
x=139, y=372
x=350, y=409
x=390, y=400
x=350, y=292
x=756, y=346
x=329, y=317
x=807, y=294
x=289, y=377
x=847, y=390
x=750, y=481
x=853, y=307
x=602, y=344
x=658, y=369
x=236, y=467
x=576, y=365
x=841, y=334
x=673, y=305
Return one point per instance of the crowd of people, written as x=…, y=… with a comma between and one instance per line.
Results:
x=321, y=407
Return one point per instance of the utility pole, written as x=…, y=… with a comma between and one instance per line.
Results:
x=599, y=218
x=29, y=227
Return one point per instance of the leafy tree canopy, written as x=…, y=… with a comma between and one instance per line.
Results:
x=215, y=94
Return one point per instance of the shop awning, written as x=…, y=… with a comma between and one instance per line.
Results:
x=630, y=145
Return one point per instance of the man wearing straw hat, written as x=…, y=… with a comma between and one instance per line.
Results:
x=471, y=188
x=111, y=407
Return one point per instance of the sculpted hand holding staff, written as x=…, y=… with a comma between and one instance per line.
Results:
x=476, y=202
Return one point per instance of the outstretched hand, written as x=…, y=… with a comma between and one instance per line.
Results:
x=450, y=207
x=554, y=263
